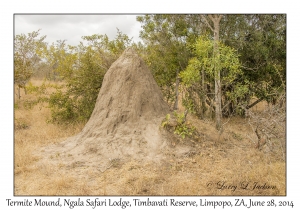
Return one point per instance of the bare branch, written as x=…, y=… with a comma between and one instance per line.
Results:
x=270, y=126
x=215, y=19
x=220, y=17
x=254, y=103
x=206, y=22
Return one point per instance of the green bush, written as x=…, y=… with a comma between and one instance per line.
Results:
x=178, y=125
x=82, y=69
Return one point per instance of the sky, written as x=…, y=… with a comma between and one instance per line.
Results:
x=73, y=27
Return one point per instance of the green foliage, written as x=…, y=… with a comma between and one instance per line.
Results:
x=82, y=69
x=228, y=61
x=182, y=128
x=22, y=71
x=60, y=60
x=38, y=90
x=261, y=43
x=178, y=126
x=191, y=74
x=28, y=51
x=62, y=107
x=200, y=74
x=184, y=131
x=166, y=121
x=166, y=51
x=251, y=59
x=252, y=55
x=189, y=103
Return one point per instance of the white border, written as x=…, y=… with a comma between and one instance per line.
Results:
x=8, y=8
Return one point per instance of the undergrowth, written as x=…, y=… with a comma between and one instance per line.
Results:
x=231, y=159
x=178, y=125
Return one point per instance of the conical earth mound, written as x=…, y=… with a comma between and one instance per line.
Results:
x=129, y=100
x=126, y=118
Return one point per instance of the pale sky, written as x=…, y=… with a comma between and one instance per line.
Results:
x=73, y=27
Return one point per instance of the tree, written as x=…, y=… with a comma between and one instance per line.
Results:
x=56, y=54
x=215, y=19
x=82, y=68
x=205, y=61
x=27, y=52
x=165, y=37
x=261, y=42
x=264, y=55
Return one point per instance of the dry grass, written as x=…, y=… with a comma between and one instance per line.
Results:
x=222, y=161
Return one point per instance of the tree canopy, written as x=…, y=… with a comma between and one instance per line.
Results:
x=218, y=63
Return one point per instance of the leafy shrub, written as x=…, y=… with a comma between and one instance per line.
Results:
x=178, y=125
x=82, y=69
x=183, y=128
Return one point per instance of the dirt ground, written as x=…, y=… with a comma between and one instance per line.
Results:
x=123, y=150
x=218, y=164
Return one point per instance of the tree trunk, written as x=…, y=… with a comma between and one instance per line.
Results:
x=19, y=94
x=218, y=93
x=203, y=105
x=218, y=100
x=176, y=91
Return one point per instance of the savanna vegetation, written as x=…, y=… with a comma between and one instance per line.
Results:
x=224, y=76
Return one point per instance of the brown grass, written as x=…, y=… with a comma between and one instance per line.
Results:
x=221, y=162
